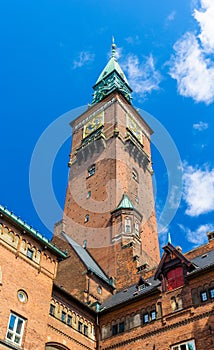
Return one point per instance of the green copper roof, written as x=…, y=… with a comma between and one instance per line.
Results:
x=125, y=203
x=112, y=78
x=111, y=66
x=38, y=236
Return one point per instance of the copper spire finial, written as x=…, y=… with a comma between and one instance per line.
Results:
x=113, y=48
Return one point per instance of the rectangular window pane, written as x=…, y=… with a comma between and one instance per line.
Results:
x=17, y=339
x=114, y=329
x=63, y=316
x=69, y=320
x=145, y=318
x=183, y=347
x=19, y=326
x=12, y=322
x=9, y=335
x=121, y=327
x=30, y=254
x=153, y=315
x=212, y=293
x=86, y=330
x=52, y=309
x=80, y=327
x=204, y=296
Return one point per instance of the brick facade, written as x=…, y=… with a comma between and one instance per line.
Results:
x=110, y=289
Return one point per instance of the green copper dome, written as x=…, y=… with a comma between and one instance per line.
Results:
x=112, y=78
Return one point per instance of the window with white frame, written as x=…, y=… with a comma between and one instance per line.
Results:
x=189, y=345
x=15, y=329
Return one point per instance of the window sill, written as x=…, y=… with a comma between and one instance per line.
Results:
x=11, y=345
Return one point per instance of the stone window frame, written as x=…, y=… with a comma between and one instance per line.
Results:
x=52, y=310
x=149, y=315
x=15, y=329
x=80, y=326
x=118, y=328
x=30, y=253
x=128, y=224
x=63, y=316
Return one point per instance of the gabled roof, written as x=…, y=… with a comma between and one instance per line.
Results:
x=31, y=231
x=170, y=249
x=126, y=203
x=86, y=258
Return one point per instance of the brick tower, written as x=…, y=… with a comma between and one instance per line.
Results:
x=109, y=204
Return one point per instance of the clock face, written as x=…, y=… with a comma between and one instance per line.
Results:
x=134, y=128
x=93, y=124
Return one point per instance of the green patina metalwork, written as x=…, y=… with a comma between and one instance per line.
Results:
x=126, y=203
x=112, y=78
x=29, y=229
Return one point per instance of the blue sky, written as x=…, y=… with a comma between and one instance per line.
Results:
x=52, y=52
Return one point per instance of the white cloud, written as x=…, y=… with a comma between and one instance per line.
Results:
x=84, y=57
x=142, y=76
x=198, y=190
x=205, y=18
x=192, y=65
x=198, y=236
x=171, y=16
x=194, y=73
x=200, y=126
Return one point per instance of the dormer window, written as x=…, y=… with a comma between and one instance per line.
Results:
x=175, y=278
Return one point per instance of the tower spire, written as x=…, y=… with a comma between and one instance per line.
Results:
x=113, y=48
x=111, y=79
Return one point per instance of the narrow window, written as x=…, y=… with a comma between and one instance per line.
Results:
x=30, y=253
x=212, y=293
x=87, y=218
x=114, y=329
x=153, y=315
x=69, y=319
x=204, y=296
x=145, y=318
x=99, y=290
x=91, y=170
x=135, y=175
x=85, y=330
x=63, y=316
x=127, y=225
x=52, y=310
x=121, y=327
x=88, y=194
x=15, y=329
x=80, y=327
